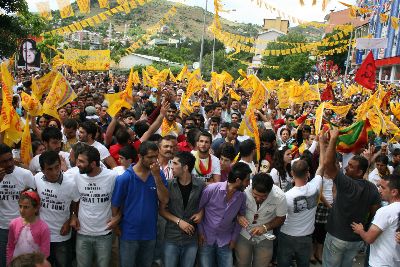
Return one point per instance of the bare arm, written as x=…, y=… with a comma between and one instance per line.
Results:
x=162, y=191
x=157, y=123
x=110, y=129
x=110, y=162
x=370, y=236
x=330, y=168
x=35, y=129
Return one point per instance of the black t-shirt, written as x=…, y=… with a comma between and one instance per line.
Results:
x=185, y=191
x=354, y=198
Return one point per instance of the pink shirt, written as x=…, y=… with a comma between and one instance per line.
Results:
x=40, y=233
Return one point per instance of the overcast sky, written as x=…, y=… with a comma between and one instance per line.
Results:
x=247, y=11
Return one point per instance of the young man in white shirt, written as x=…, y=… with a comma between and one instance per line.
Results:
x=57, y=192
x=381, y=234
x=266, y=210
x=52, y=139
x=381, y=169
x=87, y=134
x=247, y=148
x=13, y=180
x=296, y=233
x=95, y=185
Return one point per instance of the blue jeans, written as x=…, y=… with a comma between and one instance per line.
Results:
x=136, y=253
x=299, y=246
x=179, y=255
x=60, y=254
x=339, y=253
x=95, y=249
x=212, y=256
x=3, y=246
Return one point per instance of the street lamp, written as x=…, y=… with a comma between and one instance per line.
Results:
x=202, y=37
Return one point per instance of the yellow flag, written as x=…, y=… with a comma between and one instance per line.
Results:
x=135, y=78
x=319, y=113
x=395, y=23
x=234, y=95
x=116, y=102
x=60, y=94
x=185, y=107
x=183, y=74
x=65, y=8
x=395, y=108
x=310, y=93
x=193, y=86
x=339, y=110
x=151, y=71
x=84, y=6
x=129, y=83
x=26, y=144
x=103, y=4
x=147, y=81
x=195, y=75
x=172, y=77
x=31, y=104
x=44, y=10
x=283, y=98
x=43, y=85
x=375, y=121
x=161, y=76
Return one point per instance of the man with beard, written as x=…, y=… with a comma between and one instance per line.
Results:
x=169, y=126
x=13, y=180
x=207, y=166
x=95, y=186
x=52, y=139
x=222, y=203
x=137, y=194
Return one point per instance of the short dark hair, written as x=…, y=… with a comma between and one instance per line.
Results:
x=396, y=152
x=262, y=182
x=167, y=138
x=172, y=106
x=141, y=127
x=193, y=135
x=28, y=260
x=234, y=124
x=186, y=159
x=78, y=147
x=227, y=150
x=247, y=147
x=300, y=169
x=216, y=119
x=239, y=170
x=147, y=146
x=225, y=125
x=48, y=158
x=394, y=181
x=268, y=136
x=382, y=159
x=206, y=134
x=71, y=124
x=5, y=149
x=362, y=163
x=122, y=136
x=209, y=108
x=51, y=133
x=307, y=128
x=90, y=128
x=92, y=154
x=128, y=152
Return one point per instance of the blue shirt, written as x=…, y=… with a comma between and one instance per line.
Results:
x=139, y=204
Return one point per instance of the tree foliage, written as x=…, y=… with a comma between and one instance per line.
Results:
x=293, y=66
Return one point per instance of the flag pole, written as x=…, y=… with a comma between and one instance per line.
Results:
x=347, y=59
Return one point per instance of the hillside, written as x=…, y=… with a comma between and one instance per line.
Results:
x=187, y=22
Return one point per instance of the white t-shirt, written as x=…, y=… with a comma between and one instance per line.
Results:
x=55, y=201
x=385, y=251
x=34, y=165
x=95, y=201
x=119, y=169
x=215, y=168
x=278, y=181
x=374, y=176
x=10, y=189
x=104, y=153
x=275, y=205
x=302, y=204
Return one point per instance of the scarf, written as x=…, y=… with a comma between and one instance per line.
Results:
x=199, y=166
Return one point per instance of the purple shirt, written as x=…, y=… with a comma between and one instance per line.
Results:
x=219, y=224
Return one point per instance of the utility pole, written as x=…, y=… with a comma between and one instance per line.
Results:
x=347, y=59
x=202, y=37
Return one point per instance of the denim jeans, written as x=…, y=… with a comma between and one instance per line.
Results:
x=214, y=256
x=95, y=249
x=136, y=253
x=249, y=253
x=299, y=246
x=3, y=246
x=60, y=254
x=179, y=255
x=339, y=253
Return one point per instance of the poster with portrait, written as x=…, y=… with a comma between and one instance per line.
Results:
x=28, y=55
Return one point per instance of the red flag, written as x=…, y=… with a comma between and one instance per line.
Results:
x=366, y=74
x=327, y=94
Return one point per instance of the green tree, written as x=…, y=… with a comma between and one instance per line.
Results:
x=50, y=40
x=293, y=66
x=221, y=63
x=17, y=23
x=337, y=58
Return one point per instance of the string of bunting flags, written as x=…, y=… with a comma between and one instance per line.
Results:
x=151, y=30
x=97, y=19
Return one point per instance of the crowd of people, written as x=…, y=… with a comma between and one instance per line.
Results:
x=152, y=185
